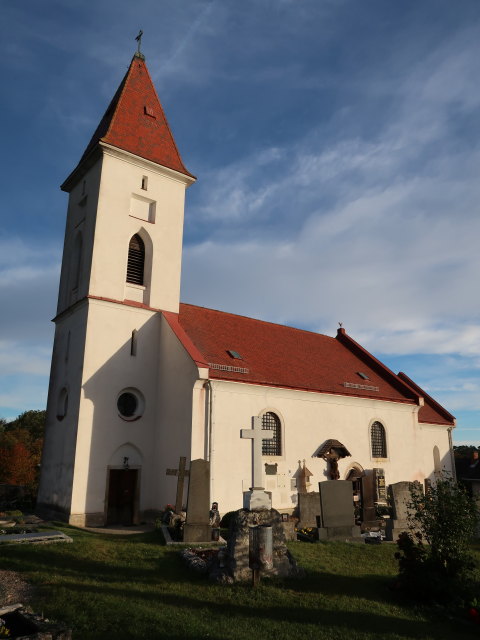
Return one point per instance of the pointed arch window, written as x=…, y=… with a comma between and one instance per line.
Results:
x=378, y=440
x=136, y=260
x=272, y=447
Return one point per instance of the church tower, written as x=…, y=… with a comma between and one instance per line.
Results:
x=121, y=265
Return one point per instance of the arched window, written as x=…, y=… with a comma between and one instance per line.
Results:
x=272, y=447
x=379, y=442
x=136, y=260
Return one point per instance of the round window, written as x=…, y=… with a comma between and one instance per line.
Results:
x=130, y=404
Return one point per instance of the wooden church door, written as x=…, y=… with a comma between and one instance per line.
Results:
x=122, y=488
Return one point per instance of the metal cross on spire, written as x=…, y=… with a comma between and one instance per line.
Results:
x=139, y=40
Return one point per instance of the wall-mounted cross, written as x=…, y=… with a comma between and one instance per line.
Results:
x=257, y=434
x=181, y=474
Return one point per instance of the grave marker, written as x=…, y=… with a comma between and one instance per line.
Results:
x=197, y=526
x=181, y=474
x=257, y=497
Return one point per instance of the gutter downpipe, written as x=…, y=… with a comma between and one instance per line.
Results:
x=209, y=427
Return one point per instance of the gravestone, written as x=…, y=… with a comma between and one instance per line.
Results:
x=257, y=497
x=399, y=497
x=337, y=520
x=182, y=472
x=369, y=518
x=234, y=565
x=308, y=509
x=197, y=525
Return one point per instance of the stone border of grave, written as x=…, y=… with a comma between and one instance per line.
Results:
x=41, y=628
x=41, y=537
x=181, y=543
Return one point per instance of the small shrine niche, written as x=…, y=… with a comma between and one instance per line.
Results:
x=303, y=477
x=332, y=451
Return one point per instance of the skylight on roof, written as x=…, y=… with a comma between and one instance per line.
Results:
x=234, y=354
x=363, y=375
x=149, y=111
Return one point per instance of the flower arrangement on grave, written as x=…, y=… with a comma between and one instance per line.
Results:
x=4, y=631
x=307, y=534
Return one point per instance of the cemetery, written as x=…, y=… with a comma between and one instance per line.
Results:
x=256, y=576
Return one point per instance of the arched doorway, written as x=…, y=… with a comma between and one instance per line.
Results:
x=123, y=486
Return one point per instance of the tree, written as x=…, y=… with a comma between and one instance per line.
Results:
x=21, y=442
x=435, y=562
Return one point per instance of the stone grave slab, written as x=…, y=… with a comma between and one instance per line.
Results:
x=309, y=509
x=38, y=537
x=399, y=497
x=337, y=512
x=197, y=525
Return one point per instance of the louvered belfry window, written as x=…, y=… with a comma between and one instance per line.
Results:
x=379, y=443
x=136, y=260
x=272, y=447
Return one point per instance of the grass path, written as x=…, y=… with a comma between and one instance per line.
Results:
x=107, y=586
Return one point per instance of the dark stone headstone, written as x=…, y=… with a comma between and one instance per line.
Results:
x=368, y=501
x=308, y=509
x=197, y=525
x=337, y=513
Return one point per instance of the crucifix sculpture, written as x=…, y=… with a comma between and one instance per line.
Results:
x=181, y=474
x=257, y=497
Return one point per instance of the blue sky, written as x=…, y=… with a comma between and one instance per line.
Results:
x=337, y=149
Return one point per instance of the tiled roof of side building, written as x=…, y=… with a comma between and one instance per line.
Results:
x=135, y=122
x=277, y=355
x=432, y=412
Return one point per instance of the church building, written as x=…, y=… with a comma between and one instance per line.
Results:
x=139, y=380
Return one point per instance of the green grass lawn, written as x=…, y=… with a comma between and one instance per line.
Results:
x=107, y=586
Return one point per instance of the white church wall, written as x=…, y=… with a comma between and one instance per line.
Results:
x=117, y=222
x=80, y=224
x=110, y=369
x=308, y=419
x=431, y=436
x=59, y=449
x=173, y=436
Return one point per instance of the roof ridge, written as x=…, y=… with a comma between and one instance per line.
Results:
x=418, y=389
x=349, y=343
x=275, y=324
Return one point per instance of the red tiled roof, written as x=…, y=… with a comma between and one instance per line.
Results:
x=277, y=355
x=431, y=412
x=135, y=121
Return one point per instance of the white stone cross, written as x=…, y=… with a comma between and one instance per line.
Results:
x=257, y=434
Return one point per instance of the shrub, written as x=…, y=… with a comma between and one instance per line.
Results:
x=435, y=563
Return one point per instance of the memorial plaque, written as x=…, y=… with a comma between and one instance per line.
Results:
x=381, y=487
x=271, y=469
